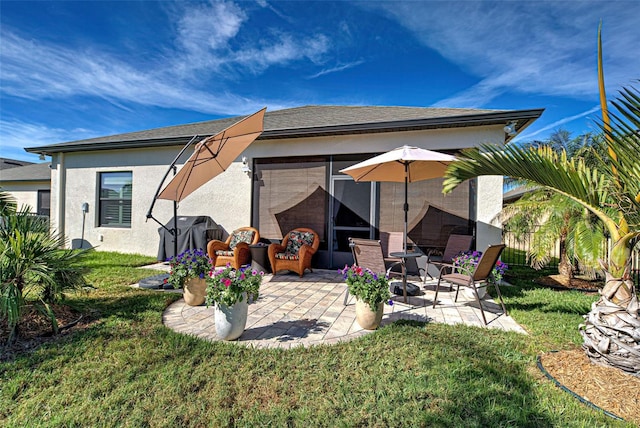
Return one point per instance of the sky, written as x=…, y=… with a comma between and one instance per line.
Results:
x=74, y=70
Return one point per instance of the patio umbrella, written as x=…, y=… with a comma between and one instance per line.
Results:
x=403, y=164
x=212, y=156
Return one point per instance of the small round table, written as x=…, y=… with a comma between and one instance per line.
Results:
x=404, y=257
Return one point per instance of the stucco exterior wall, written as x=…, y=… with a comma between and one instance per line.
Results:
x=227, y=197
x=489, y=205
x=26, y=193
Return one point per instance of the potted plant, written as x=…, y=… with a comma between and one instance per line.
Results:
x=467, y=262
x=371, y=290
x=188, y=271
x=229, y=290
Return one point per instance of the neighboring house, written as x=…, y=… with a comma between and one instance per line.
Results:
x=294, y=179
x=6, y=163
x=29, y=185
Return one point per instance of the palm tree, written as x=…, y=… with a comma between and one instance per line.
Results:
x=34, y=269
x=611, y=192
x=556, y=219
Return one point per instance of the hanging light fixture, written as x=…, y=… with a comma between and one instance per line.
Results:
x=245, y=165
x=510, y=128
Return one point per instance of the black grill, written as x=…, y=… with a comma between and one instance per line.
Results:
x=193, y=232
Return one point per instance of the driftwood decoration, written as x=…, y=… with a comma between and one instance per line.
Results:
x=611, y=331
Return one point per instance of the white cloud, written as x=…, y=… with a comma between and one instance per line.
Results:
x=336, y=69
x=15, y=135
x=546, y=48
x=557, y=124
x=42, y=71
x=205, y=36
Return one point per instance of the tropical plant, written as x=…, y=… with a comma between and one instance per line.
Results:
x=228, y=286
x=367, y=285
x=550, y=218
x=611, y=191
x=7, y=203
x=192, y=263
x=33, y=267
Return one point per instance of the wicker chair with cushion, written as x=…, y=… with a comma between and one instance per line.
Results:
x=235, y=250
x=295, y=252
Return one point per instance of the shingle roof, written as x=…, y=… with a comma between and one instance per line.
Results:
x=6, y=163
x=33, y=172
x=307, y=121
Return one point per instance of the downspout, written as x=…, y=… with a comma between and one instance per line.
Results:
x=60, y=194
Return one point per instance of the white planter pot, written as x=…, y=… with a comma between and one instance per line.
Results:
x=368, y=319
x=194, y=291
x=230, y=321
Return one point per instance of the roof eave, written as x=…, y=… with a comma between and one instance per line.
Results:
x=523, y=118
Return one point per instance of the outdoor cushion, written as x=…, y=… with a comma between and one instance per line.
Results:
x=224, y=253
x=240, y=236
x=287, y=256
x=297, y=240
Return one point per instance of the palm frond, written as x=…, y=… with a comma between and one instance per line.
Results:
x=570, y=177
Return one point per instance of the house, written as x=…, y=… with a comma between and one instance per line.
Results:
x=28, y=183
x=288, y=177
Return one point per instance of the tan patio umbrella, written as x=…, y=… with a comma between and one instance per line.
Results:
x=212, y=156
x=403, y=164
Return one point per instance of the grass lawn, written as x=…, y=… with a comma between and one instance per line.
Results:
x=127, y=369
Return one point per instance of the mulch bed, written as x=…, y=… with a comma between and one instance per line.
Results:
x=35, y=329
x=609, y=388
x=561, y=282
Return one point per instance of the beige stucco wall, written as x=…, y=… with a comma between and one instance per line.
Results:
x=489, y=205
x=227, y=197
x=25, y=193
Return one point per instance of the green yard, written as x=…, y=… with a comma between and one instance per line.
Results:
x=127, y=369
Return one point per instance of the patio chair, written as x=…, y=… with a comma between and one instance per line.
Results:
x=456, y=244
x=476, y=279
x=295, y=252
x=235, y=250
x=367, y=253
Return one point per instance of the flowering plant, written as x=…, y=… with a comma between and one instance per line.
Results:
x=468, y=262
x=228, y=285
x=367, y=286
x=186, y=265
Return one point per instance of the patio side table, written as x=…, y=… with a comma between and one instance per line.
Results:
x=260, y=258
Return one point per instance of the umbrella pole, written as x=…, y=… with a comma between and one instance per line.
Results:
x=172, y=167
x=406, y=205
x=175, y=229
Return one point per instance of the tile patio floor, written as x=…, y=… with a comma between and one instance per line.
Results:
x=294, y=311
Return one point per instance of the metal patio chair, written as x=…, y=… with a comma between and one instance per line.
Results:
x=476, y=279
x=456, y=244
x=367, y=253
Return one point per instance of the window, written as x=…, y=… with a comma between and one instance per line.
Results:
x=290, y=193
x=44, y=202
x=115, y=199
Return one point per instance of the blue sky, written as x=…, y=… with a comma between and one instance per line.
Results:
x=75, y=70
